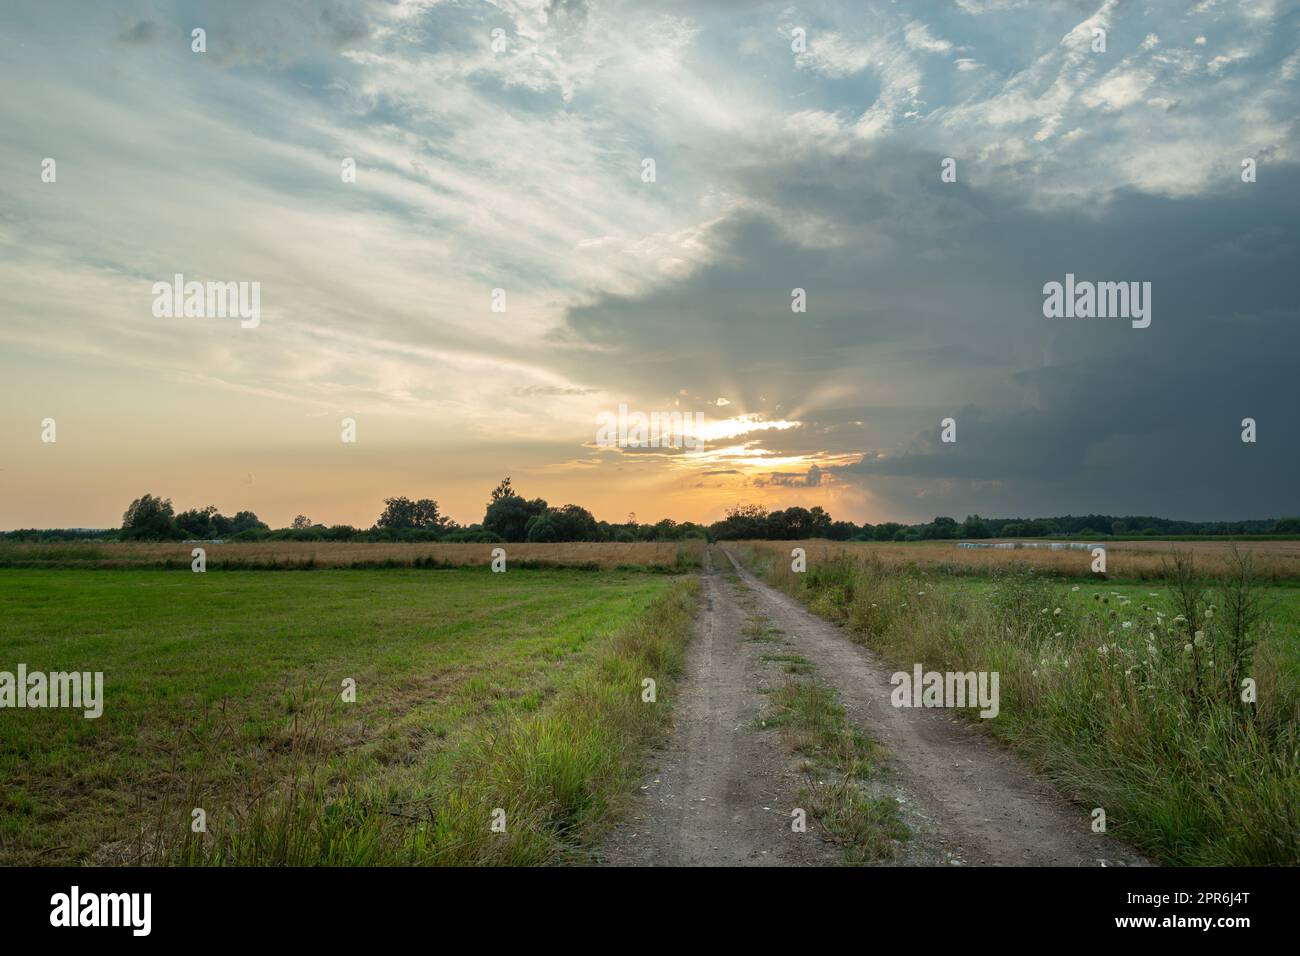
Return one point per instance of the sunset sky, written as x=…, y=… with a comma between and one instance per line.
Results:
x=522, y=169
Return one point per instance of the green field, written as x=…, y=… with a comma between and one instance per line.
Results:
x=222, y=691
x=1280, y=630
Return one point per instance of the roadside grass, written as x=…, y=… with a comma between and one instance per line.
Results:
x=794, y=663
x=838, y=760
x=757, y=629
x=475, y=692
x=1130, y=700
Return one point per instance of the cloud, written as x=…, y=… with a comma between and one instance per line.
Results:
x=521, y=169
x=919, y=38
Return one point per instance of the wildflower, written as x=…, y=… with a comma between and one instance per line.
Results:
x=1209, y=613
x=1200, y=639
x=1058, y=634
x=1102, y=650
x=1187, y=648
x=1127, y=625
x=1056, y=612
x=1075, y=588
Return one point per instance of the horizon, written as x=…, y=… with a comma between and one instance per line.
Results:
x=818, y=235
x=642, y=521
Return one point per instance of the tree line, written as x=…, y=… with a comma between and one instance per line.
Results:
x=510, y=517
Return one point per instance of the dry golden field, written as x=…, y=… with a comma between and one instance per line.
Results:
x=1274, y=560
x=334, y=554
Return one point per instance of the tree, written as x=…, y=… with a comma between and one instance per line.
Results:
x=741, y=521
x=508, y=514
x=841, y=530
x=942, y=528
x=402, y=514
x=570, y=523
x=665, y=530
x=197, y=522
x=246, y=521
x=149, y=517
x=819, y=522
x=975, y=527
x=502, y=490
x=301, y=523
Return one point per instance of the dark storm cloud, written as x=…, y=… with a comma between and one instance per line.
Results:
x=929, y=305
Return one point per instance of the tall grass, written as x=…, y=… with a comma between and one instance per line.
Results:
x=1274, y=561
x=558, y=773
x=1133, y=707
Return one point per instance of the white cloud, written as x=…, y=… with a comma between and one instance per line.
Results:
x=919, y=38
x=830, y=54
x=1118, y=89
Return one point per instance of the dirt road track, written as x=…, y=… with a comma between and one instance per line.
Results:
x=722, y=790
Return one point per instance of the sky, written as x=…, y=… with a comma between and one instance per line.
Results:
x=502, y=271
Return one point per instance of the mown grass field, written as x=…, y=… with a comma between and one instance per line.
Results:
x=474, y=691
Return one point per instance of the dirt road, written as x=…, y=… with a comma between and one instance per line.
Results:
x=723, y=790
